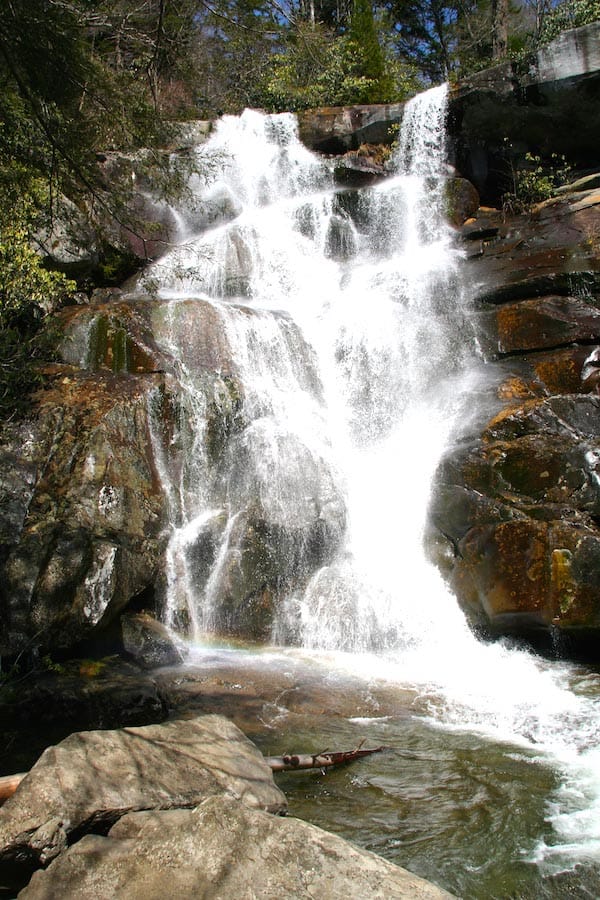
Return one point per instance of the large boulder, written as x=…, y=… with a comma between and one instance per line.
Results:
x=221, y=850
x=84, y=534
x=148, y=641
x=91, y=779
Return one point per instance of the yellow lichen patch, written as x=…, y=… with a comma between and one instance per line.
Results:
x=90, y=668
x=560, y=374
x=517, y=574
x=516, y=388
x=563, y=585
x=509, y=411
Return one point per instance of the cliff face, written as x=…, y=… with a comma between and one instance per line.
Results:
x=545, y=104
x=517, y=502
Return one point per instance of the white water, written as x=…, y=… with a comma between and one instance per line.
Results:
x=356, y=360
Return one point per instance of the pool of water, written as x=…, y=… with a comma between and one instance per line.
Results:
x=480, y=817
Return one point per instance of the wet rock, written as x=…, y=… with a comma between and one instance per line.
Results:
x=363, y=167
x=90, y=536
x=114, y=334
x=82, y=522
x=544, y=322
x=91, y=779
x=149, y=642
x=461, y=200
x=339, y=129
x=516, y=509
x=221, y=850
x=521, y=511
x=73, y=695
x=341, y=241
x=551, y=252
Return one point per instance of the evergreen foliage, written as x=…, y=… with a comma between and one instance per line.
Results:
x=317, y=70
x=28, y=292
x=569, y=14
x=363, y=36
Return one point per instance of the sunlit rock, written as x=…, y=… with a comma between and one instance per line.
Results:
x=519, y=504
x=220, y=850
x=91, y=779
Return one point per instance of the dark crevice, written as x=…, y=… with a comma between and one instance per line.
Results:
x=523, y=354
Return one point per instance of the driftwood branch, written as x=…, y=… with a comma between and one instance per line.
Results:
x=9, y=784
x=323, y=760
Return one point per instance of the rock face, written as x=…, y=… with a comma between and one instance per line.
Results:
x=338, y=129
x=130, y=221
x=84, y=535
x=146, y=414
x=91, y=779
x=543, y=104
x=221, y=850
x=518, y=503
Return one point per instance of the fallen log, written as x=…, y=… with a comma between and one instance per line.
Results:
x=9, y=784
x=286, y=763
x=290, y=762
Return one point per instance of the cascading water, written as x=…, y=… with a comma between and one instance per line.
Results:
x=345, y=363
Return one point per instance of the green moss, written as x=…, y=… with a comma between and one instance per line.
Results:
x=120, y=351
x=98, y=342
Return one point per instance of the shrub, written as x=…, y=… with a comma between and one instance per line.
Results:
x=535, y=181
x=28, y=292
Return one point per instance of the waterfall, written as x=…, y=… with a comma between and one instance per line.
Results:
x=341, y=364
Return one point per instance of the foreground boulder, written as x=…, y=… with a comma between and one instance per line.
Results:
x=91, y=779
x=218, y=851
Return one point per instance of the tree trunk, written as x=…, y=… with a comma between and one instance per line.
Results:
x=499, y=29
